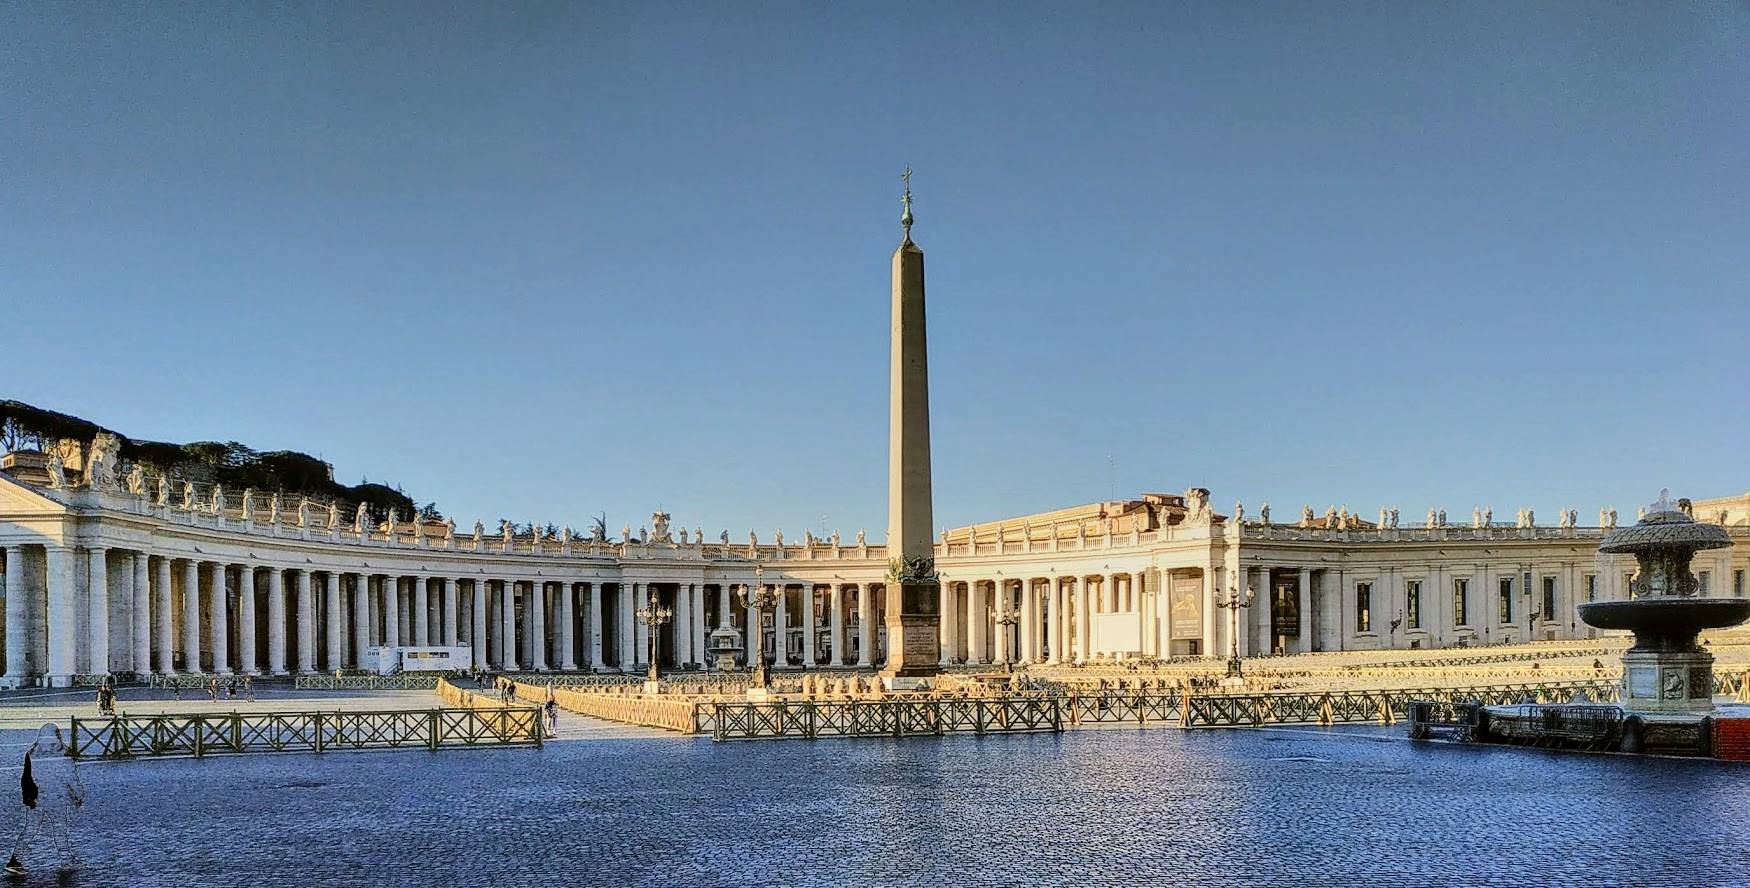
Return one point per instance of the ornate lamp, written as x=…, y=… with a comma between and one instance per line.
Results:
x=758, y=596
x=653, y=614
x=1233, y=601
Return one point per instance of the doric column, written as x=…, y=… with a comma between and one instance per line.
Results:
x=16, y=615
x=808, y=625
x=336, y=658
x=392, y=619
x=361, y=618
x=141, y=614
x=536, y=610
x=697, y=599
x=97, y=611
x=246, y=653
x=723, y=604
x=276, y=621
x=1306, y=606
x=165, y=617
x=507, y=659
x=1029, y=631
x=421, y=607
x=568, y=625
x=1084, y=632
x=477, y=624
x=62, y=621
x=450, y=618
x=640, y=629
x=945, y=626
x=623, y=617
x=781, y=627
x=975, y=625
x=593, y=591
x=836, y=613
x=865, y=623
x=683, y=618
x=1000, y=600
x=191, y=615
x=404, y=609
x=220, y=619
x=306, y=624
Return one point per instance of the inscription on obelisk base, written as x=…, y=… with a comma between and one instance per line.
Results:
x=912, y=619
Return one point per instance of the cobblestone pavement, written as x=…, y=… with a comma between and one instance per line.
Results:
x=1354, y=806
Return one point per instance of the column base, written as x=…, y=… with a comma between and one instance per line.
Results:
x=58, y=680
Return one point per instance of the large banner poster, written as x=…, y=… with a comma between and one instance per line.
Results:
x=1186, y=602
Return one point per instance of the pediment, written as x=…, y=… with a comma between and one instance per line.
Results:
x=21, y=499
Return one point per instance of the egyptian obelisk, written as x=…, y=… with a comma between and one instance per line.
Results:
x=912, y=610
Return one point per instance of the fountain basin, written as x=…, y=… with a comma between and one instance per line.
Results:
x=1666, y=616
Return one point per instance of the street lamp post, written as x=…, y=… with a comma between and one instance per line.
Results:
x=1006, y=618
x=757, y=596
x=1234, y=602
x=654, y=614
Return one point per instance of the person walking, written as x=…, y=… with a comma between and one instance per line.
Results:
x=552, y=710
x=49, y=795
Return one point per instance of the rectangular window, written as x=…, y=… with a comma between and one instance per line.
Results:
x=1703, y=576
x=1628, y=585
x=1738, y=583
x=1506, y=612
x=1364, y=607
x=1591, y=587
x=1460, y=602
x=1413, y=603
x=1549, y=598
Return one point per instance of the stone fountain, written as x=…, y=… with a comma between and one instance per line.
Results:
x=1666, y=671
x=1666, y=702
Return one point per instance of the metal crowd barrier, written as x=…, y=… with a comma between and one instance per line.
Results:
x=205, y=734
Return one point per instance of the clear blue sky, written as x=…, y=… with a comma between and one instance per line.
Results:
x=543, y=261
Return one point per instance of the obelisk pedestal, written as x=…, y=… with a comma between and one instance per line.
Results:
x=912, y=619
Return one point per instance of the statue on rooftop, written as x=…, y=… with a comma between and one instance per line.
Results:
x=835, y=539
x=218, y=504
x=304, y=511
x=188, y=496
x=1239, y=515
x=659, y=520
x=479, y=533
x=1264, y=514
x=1394, y=516
x=137, y=480
x=358, y=518
x=57, y=470
x=1330, y=517
x=273, y=509
x=724, y=538
x=333, y=515
x=248, y=504
x=1306, y=516
x=106, y=452
x=779, y=538
x=163, y=491
x=1488, y=515
x=683, y=536
x=860, y=540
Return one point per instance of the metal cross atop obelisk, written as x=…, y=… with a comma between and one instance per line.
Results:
x=912, y=587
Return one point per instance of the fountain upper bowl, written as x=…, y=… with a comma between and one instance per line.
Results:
x=1667, y=614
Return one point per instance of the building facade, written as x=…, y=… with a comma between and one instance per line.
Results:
x=108, y=576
